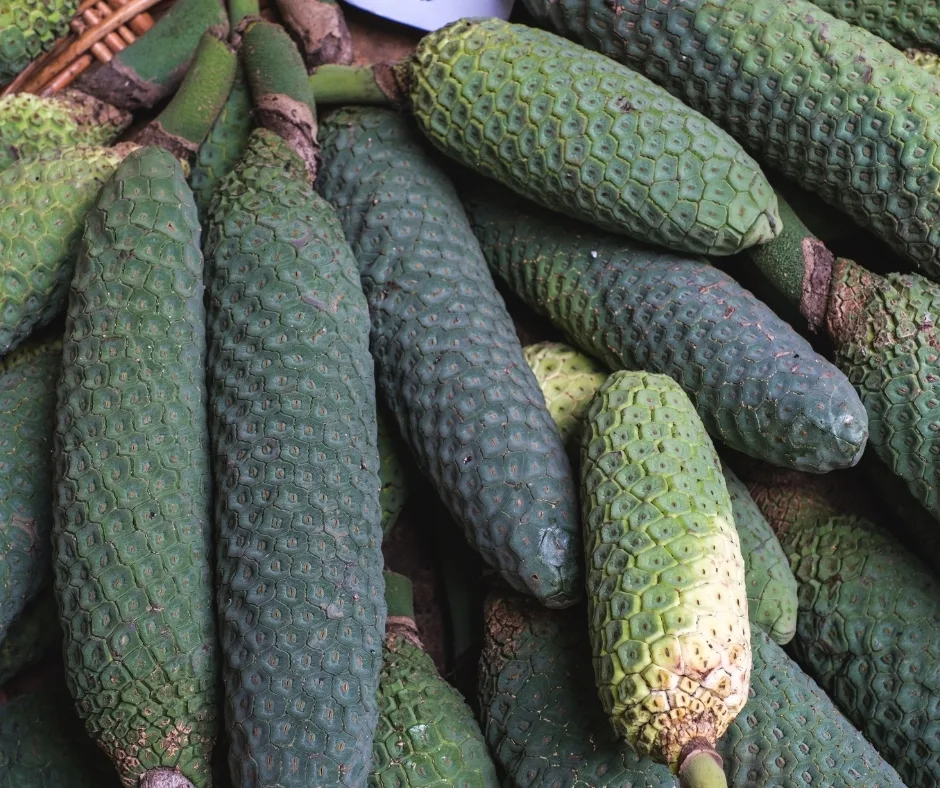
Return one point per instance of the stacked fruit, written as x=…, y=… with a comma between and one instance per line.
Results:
x=280, y=321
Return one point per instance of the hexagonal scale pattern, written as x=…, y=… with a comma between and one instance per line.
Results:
x=301, y=593
x=905, y=23
x=395, y=487
x=581, y=134
x=868, y=627
x=427, y=733
x=28, y=28
x=448, y=360
x=665, y=579
x=757, y=385
x=43, y=204
x=133, y=525
x=830, y=105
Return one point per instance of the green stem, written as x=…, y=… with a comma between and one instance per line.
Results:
x=239, y=9
x=186, y=120
x=702, y=769
x=399, y=596
x=334, y=84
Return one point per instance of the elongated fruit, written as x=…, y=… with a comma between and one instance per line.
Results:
x=449, y=362
x=392, y=474
x=757, y=385
x=43, y=203
x=28, y=379
x=427, y=732
x=30, y=124
x=868, y=628
x=28, y=28
x=569, y=380
x=133, y=527
x=546, y=730
x=665, y=578
x=830, y=105
x=583, y=135
x=904, y=23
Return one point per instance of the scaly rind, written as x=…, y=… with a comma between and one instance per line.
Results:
x=757, y=385
x=545, y=729
x=133, y=526
x=888, y=344
x=665, y=579
x=28, y=28
x=830, y=105
x=42, y=744
x=583, y=135
x=223, y=147
x=569, y=380
x=868, y=628
x=297, y=504
x=43, y=202
x=904, y=23
x=31, y=636
x=30, y=124
x=449, y=362
x=28, y=379
x=392, y=475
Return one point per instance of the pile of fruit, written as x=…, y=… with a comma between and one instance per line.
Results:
x=253, y=304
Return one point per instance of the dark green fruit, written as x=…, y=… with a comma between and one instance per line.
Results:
x=28, y=28
x=35, y=633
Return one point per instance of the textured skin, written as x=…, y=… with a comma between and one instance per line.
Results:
x=42, y=744
x=427, y=734
x=830, y=105
x=31, y=636
x=225, y=144
x=43, y=203
x=868, y=628
x=301, y=592
x=28, y=379
x=569, y=380
x=547, y=731
x=28, y=28
x=757, y=385
x=133, y=525
x=904, y=23
x=928, y=61
x=394, y=480
x=30, y=124
x=449, y=362
x=583, y=135
x=888, y=344
x=665, y=579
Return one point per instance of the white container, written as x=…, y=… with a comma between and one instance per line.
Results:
x=432, y=14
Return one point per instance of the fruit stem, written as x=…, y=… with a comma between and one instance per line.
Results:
x=399, y=596
x=702, y=769
x=163, y=777
x=186, y=120
x=282, y=96
x=320, y=30
x=375, y=84
x=239, y=9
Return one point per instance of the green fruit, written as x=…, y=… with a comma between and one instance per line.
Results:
x=427, y=733
x=830, y=105
x=133, y=526
x=585, y=136
x=224, y=146
x=28, y=28
x=569, y=380
x=449, y=362
x=394, y=480
x=904, y=23
x=30, y=124
x=868, y=627
x=301, y=593
x=28, y=379
x=42, y=744
x=43, y=203
x=757, y=385
x=545, y=730
x=31, y=636
x=665, y=578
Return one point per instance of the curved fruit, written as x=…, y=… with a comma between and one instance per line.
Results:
x=904, y=23
x=449, y=362
x=665, y=579
x=868, y=628
x=581, y=134
x=758, y=386
x=392, y=475
x=427, y=732
x=28, y=28
x=545, y=730
x=133, y=526
x=830, y=105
